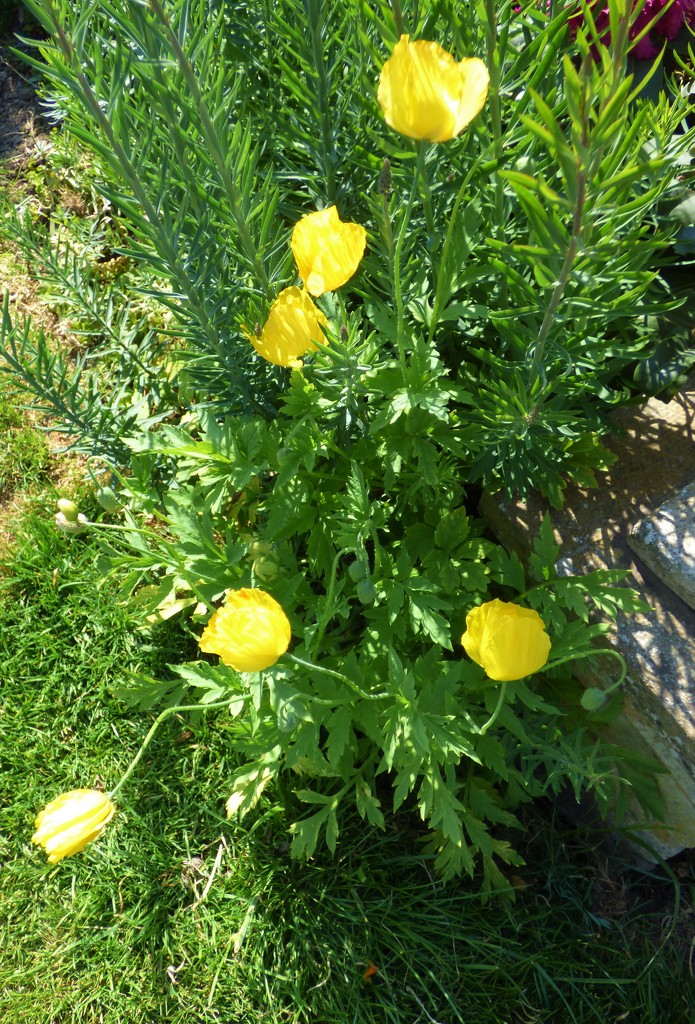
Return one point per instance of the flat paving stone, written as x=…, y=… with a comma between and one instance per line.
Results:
x=655, y=445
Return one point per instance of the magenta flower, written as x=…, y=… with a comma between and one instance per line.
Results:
x=667, y=17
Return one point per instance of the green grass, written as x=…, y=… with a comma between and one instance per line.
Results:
x=24, y=455
x=122, y=934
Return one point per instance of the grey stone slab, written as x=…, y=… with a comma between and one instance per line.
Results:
x=665, y=541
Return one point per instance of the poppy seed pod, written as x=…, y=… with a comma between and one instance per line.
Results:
x=327, y=250
x=508, y=641
x=425, y=94
x=72, y=820
x=292, y=329
x=249, y=632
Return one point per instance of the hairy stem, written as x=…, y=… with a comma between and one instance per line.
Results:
x=442, y=279
x=130, y=174
x=560, y=285
x=323, y=87
x=498, y=707
x=213, y=142
x=167, y=713
x=396, y=264
x=397, y=17
x=494, y=70
x=338, y=675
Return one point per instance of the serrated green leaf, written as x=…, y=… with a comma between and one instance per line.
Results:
x=367, y=804
x=340, y=734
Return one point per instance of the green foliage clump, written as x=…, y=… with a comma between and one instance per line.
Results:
x=504, y=305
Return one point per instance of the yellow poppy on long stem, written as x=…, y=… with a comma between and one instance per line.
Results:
x=249, y=632
x=508, y=641
x=327, y=250
x=425, y=94
x=68, y=823
x=292, y=329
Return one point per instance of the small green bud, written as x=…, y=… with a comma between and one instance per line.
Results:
x=366, y=592
x=357, y=571
x=69, y=509
x=106, y=496
x=257, y=548
x=265, y=568
x=592, y=699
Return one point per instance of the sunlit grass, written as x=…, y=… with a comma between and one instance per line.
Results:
x=24, y=453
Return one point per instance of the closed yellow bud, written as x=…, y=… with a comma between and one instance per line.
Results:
x=508, y=641
x=72, y=820
x=425, y=94
x=249, y=632
x=327, y=250
x=292, y=329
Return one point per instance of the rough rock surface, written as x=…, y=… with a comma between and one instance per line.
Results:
x=665, y=541
x=656, y=460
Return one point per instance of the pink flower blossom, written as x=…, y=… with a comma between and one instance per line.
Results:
x=667, y=15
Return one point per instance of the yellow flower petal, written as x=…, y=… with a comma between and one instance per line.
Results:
x=72, y=820
x=508, y=641
x=249, y=632
x=327, y=250
x=292, y=329
x=425, y=94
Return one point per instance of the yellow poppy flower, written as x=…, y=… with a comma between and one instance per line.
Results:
x=508, y=641
x=426, y=95
x=72, y=820
x=292, y=329
x=327, y=250
x=249, y=632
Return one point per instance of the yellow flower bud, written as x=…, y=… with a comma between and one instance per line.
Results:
x=327, y=250
x=72, y=820
x=426, y=95
x=508, y=641
x=249, y=632
x=292, y=329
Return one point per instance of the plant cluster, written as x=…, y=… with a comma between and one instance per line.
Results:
x=363, y=320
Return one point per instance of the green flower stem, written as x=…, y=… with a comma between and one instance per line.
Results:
x=131, y=176
x=397, y=18
x=397, y=260
x=377, y=551
x=328, y=609
x=323, y=89
x=213, y=142
x=592, y=654
x=386, y=229
x=167, y=713
x=560, y=285
x=441, y=277
x=338, y=675
x=494, y=70
x=427, y=195
x=498, y=707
